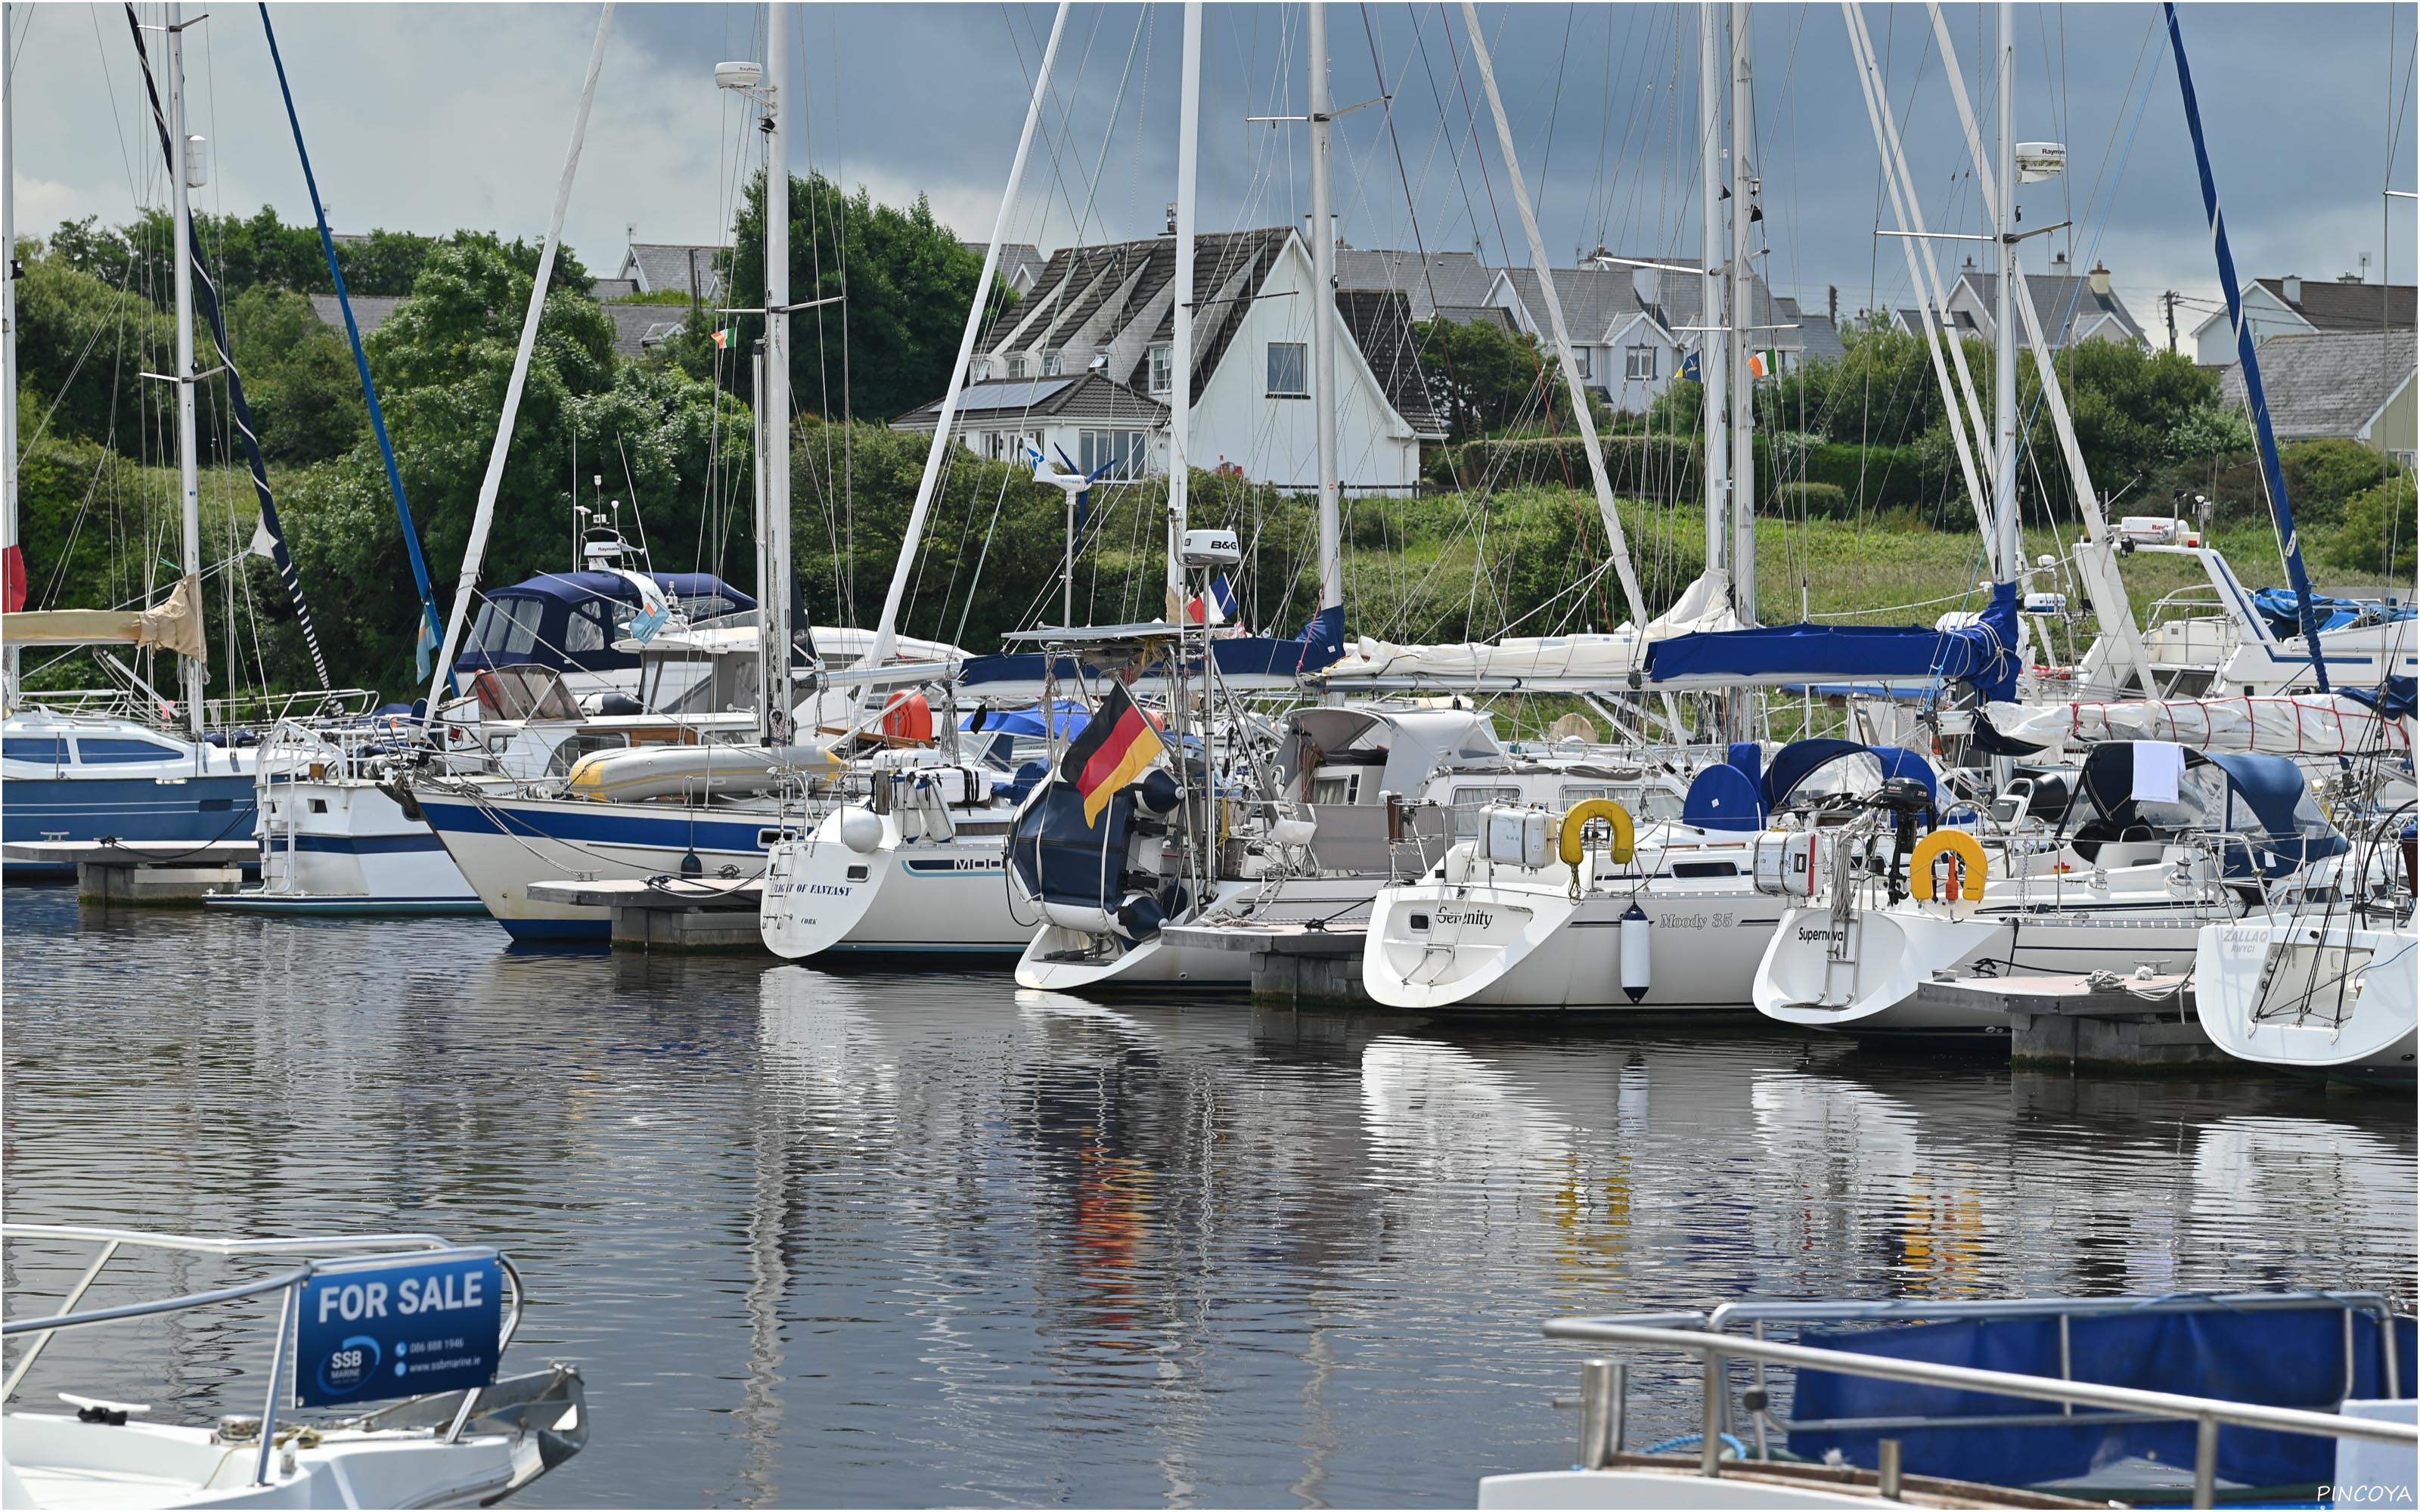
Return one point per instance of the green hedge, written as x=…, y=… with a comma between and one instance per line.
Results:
x=1654, y=465
x=1810, y=500
x=1872, y=477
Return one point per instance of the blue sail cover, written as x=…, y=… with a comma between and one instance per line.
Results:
x=2284, y=1358
x=1983, y=654
x=2283, y=609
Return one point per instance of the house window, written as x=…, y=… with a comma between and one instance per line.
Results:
x=983, y=369
x=1639, y=363
x=1016, y=367
x=1123, y=451
x=1051, y=366
x=1161, y=369
x=1289, y=370
x=1580, y=361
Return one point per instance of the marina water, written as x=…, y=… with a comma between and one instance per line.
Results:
x=879, y=1239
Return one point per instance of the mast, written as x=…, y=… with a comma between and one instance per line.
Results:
x=8, y=545
x=1743, y=310
x=483, y=515
x=2245, y=343
x=886, y=629
x=2007, y=549
x=774, y=702
x=1713, y=341
x=1180, y=351
x=194, y=672
x=1322, y=317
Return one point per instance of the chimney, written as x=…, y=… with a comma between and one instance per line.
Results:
x=1171, y=221
x=2099, y=276
x=2293, y=289
x=2058, y=264
x=1832, y=302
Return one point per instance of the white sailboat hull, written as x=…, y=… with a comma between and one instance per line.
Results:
x=346, y=846
x=2311, y=995
x=903, y=897
x=1436, y=946
x=1870, y=987
x=504, y=845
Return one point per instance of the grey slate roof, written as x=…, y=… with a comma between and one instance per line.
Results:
x=2338, y=307
x=612, y=288
x=1598, y=298
x=665, y=265
x=1020, y=262
x=1380, y=320
x=1450, y=279
x=638, y=327
x=370, y=310
x=2063, y=302
x=1068, y=398
x=1818, y=338
x=2325, y=384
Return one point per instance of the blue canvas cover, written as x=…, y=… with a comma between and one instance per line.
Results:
x=1798, y=760
x=1070, y=718
x=2283, y=609
x=1061, y=860
x=1983, y=654
x=1723, y=798
x=2283, y=1358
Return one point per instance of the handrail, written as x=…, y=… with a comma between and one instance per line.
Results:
x=2208, y=1413
x=372, y=1246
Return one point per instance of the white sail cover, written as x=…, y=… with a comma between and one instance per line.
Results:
x=2308, y=724
x=1575, y=659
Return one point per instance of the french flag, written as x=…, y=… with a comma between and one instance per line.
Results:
x=1216, y=606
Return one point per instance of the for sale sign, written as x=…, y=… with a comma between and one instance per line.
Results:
x=380, y=1329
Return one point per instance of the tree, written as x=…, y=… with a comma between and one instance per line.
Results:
x=904, y=281
x=298, y=374
x=1489, y=375
x=82, y=340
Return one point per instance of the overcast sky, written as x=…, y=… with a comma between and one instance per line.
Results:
x=429, y=117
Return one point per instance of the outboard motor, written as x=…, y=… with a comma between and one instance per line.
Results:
x=1910, y=806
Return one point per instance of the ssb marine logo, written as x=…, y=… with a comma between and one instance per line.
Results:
x=349, y=1367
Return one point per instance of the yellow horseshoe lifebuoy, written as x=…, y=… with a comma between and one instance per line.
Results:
x=1625, y=834
x=1966, y=883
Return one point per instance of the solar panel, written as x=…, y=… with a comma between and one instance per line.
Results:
x=1017, y=393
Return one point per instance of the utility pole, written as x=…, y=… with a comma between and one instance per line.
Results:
x=2169, y=301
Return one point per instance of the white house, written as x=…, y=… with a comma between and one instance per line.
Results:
x=1093, y=337
x=1632, y=328
x=2289, y=307
x=682, y=267
x=2069, y=306
x=2353, y=385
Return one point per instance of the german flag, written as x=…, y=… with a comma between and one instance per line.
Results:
x=1112, y=750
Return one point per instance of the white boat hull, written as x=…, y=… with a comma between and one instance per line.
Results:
x=2311, y=995
x=346, y=846
x=503, y=845
x=1436, y=945
x=1059, y=960
x=920, y=896
x=1870, y=987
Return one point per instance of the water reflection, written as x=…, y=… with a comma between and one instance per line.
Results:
x=917, y=1239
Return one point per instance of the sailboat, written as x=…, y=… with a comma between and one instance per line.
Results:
x=145, y=765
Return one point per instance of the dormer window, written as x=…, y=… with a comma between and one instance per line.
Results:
x=1052, y=364
x=983, y=369
x=1016, y=367
x=1162, y=369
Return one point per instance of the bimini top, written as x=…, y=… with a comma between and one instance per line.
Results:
x=1839, y=761
x=1984, y=652
x=2264, y=799
x=570, y=621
